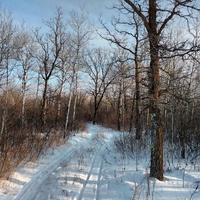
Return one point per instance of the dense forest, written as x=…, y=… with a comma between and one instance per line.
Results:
x=145, y=81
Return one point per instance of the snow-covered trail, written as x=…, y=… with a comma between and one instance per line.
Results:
x=45, y=183
x=30, y=189
x=91, y=180
x=86, y=163
x=90, y=166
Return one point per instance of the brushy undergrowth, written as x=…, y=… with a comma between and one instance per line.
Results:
x=19, y=147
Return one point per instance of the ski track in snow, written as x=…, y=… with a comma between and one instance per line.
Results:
x=40, y=177
x=32, y=189
x=90, y=173
x=89, y=167
x=99, y=179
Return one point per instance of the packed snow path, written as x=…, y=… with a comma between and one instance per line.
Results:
x=89, y=166
x=93, y=173
x=30, y=190
x=47, y=183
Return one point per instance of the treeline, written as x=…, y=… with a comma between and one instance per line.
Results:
x=53, y=80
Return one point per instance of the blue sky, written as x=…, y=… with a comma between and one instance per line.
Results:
x=32, y=12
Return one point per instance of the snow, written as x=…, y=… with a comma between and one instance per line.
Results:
x=89, y=166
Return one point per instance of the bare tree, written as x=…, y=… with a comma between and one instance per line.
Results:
x=131, y=41
x=7, y=31
x=155, y=17
x=50, y=45
x=177, y=87
x=25, y=52
x=122, y=83
x=100, y=69
x=80, y=36
x=63, y=72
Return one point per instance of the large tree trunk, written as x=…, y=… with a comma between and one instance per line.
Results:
x=58, y=114
x=137, y=103
x=131, y=115
x=24, y=82
x=95, y=105
x=44, y=107
x=75, y=101
x=68, y=109
x=119, y=107
x=156, y=123
x=74, y=110
x=156, y=169
x=95, y=113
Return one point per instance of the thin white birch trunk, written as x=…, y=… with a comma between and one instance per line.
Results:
x=69, y=106
x=75, y=100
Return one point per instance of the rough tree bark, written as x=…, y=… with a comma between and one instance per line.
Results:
x=156, y=169
x=156, y=17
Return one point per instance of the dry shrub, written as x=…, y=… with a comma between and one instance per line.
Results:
x=21, y=143
x=19, y=148
x=79, y=125
x=125, y=143
x=55, y=138
x=12, y=155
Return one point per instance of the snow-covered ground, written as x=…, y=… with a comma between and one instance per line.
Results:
x=88, y=166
